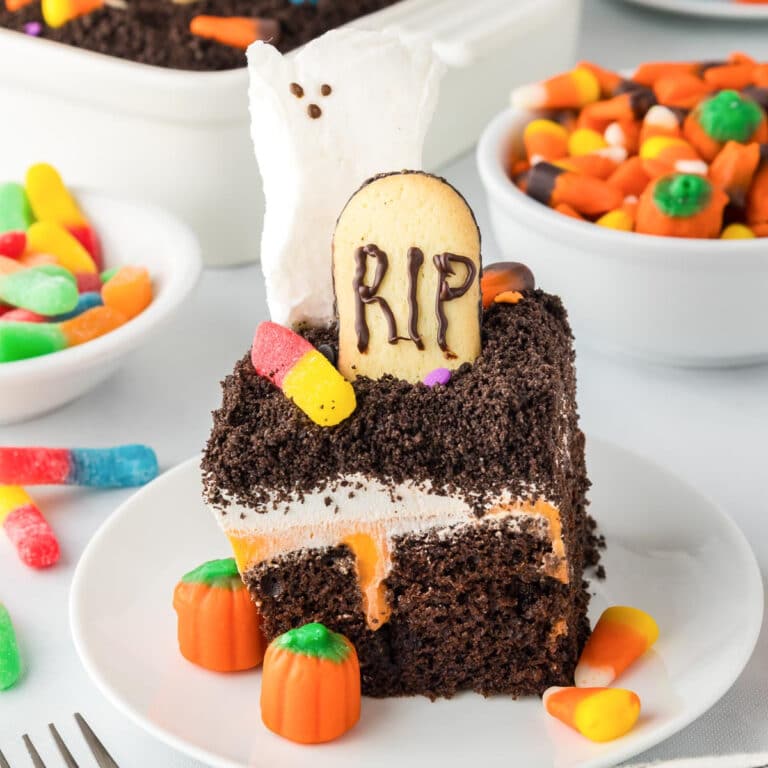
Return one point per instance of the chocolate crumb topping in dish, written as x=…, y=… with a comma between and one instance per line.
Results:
x=157, y=32
x=494, y=426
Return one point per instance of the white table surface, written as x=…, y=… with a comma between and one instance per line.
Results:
x=707, y=426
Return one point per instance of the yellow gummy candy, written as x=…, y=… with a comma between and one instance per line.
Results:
x=50, y=237
x=319, y=390
x=50, y=199
x=617, y=219
x=12, y=497
x=737, y=232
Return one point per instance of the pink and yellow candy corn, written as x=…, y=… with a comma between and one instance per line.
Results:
x=600, y=714
x=621, y=636
x=49, y=199
x=26, y=528
x=303, y=374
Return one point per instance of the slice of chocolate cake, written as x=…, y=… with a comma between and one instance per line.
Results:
x=442, y=529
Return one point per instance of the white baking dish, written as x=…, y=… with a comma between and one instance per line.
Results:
x=181, y=139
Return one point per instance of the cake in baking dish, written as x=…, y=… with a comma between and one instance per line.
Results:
x=441, y=527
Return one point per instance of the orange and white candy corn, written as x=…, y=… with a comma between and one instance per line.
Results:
x=600, y=714
x=570, y=89
x=621, y=636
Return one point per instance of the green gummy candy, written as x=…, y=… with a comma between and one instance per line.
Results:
x=10, y=660
x=15, y=212
x=729, y=117
x=56, y=270
x=682, y=194
x=108, y=274
x=36, y=290
x=19, y=341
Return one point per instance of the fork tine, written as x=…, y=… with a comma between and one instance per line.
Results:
x=36, y=759
x=3, y=761
x=65, y=753
x=103, y=758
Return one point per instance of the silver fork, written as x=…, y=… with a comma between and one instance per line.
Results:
x=98, y=750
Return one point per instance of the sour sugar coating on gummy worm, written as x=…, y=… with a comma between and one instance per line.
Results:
x=10, y=659
x=599, y=714
x=303, y=374
x=124, y=466
x=620, y=637
x=27, y=529
x=219, y=628
x=310, y=688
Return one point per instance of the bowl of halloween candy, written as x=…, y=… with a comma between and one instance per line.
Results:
x=641, y=198
x=84, y=279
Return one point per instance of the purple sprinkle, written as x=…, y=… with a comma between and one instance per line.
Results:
x=438, y=376
x=33, y=28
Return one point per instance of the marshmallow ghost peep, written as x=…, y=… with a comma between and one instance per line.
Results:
x=347, y=106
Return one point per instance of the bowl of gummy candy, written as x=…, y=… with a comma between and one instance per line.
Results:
x=641, y=197
x=85, y=278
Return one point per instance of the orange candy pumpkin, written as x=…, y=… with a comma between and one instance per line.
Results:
x=219, y=626
x=310, y=688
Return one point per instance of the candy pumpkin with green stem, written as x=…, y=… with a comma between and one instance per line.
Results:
x=310, y=687
x=219, y=626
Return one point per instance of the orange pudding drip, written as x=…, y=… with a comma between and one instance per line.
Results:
x=369, y=543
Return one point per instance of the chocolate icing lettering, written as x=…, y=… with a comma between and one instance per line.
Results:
x=446, y=292
x=366, y=294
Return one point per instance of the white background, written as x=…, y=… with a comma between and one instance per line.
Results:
x=710, y=427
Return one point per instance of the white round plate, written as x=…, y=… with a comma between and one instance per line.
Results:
x=670, y=551
x=716, y=9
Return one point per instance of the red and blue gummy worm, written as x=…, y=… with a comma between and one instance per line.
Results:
x=121, y=467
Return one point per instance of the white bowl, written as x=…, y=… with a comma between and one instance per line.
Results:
x=182, y=140
x=131, y=233
x=667, y=300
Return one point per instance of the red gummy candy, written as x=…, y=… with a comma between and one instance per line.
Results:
x=13, y=244
x=88, y=238
x=33, y=538
x=33, y=466
x=276, y=349
x=88, y=282
x=23, y=316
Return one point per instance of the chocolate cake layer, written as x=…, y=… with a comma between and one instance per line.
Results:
x=500, y=425
x=157, y=31
x=479, y=605
x=470, y=611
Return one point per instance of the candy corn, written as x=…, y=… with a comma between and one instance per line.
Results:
x=552, y=185
x=620, y=637
x=10, y=659
x=619, y=219
x=124, y=466
x=664, y=154
x=57, y=13
x=630, y=178
x=737, y=232
x=757, y=198
x=600, y=166
x=236, y=31
x=648, y=73
x=572, y=89
x=545, y=140
x=303, y=374
x=17, y=5
x=503, y=277
x=659, y=121
x=600, y=714
x=734, y=168
x=49, y=199
x=684, y=91
x=26, y=528
x=607, y=79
